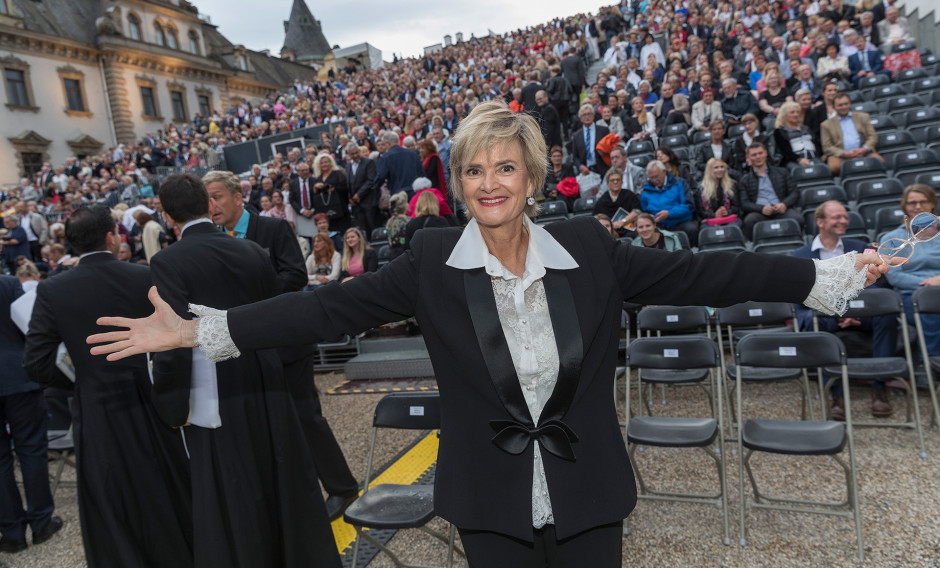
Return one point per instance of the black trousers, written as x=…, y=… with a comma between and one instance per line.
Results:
x=26, y=415
x=599, y=547
x=328, y=457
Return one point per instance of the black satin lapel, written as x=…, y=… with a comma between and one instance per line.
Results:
x=567, y=328
x=489, y=332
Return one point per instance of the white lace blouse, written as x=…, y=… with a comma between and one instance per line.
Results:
x=524, y=316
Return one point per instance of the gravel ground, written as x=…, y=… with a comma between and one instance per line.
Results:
x=899, y=496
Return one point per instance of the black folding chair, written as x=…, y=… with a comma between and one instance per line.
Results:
x=887, y=218
x=721, y=237
x=383, y=255
x=674, y=129
x=882, y=123
x=391, y=506
x=584, y=206
x=927, y=301
x=552, y=211
x=676, y=140
x=379, y=237
x=874, y=302
x=777, y=236
x=884, y=91
x=857, y=170
x=796, y=351
x=813, y=175
x=673, y=320
x=736, y=322
x=640, y=147
x=897, y=106
x=908, y=165
x=693, y=354
x=701, y=136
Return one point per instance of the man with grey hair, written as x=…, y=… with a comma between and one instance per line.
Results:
x=634, y=177
x=409, y=143
x=894, y=30
x=669, y=201
x=398, y=167
x=868, y=29
x=584, y=157
x=364, y=195
x=736, y=103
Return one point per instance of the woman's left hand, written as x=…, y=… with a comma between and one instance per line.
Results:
x=876, y=265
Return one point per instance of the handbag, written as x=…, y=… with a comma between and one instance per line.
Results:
x=385, y=198
x=721, y=220
x=588, y=183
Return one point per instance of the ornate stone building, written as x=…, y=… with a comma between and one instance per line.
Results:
x=80, y=76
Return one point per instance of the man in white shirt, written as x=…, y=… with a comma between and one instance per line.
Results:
x=832, y=220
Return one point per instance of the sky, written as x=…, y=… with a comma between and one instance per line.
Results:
x=403, y=27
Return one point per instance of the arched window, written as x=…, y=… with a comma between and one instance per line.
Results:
x=194, y=42
x=172, y=40
x=161, y=35
x=133, y=27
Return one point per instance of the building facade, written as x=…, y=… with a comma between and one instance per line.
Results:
x=81, y=76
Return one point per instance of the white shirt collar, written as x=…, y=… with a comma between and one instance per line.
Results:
x=194, y=222
x=543, y=252
x=68, y=256
x=817, y=245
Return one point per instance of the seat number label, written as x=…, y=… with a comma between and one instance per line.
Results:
x=755, y=313
x=787, y=351
x=672, y=318
x=416, y=411
x=671, y=353
x=856, y=303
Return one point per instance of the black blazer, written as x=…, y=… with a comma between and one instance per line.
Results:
x=278, y=240
x=486, y=484
x=294, y=196
x=13, y=380
x=99, y=281
x=363, y=183
x=209, y=268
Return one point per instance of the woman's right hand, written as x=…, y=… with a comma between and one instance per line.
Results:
x=161, y=331
x=721, y=212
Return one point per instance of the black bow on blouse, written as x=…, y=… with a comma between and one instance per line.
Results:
x=514, y=435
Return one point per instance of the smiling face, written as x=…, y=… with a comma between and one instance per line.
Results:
x=645, y=228
x=719, y=169
x=496, y=185
x=352, y=239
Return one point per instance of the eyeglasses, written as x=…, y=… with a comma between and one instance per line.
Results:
x=922, y=228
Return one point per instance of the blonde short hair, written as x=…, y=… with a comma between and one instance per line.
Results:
x=229, y=180
x=492, y=124
x=427, y=205
x=785, y=109
x=318, y=159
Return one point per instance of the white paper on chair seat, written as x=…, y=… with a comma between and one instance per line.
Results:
x=204, y=392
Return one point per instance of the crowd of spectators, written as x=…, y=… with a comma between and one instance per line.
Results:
x=677, y=78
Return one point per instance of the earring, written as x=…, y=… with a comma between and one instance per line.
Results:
x=530, y=201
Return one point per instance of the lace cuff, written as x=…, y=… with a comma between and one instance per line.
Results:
x=837, y=282
x=212, y=333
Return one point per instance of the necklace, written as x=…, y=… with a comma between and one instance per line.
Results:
x=326, y=200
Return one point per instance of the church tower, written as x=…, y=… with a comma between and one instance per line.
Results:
x=304, y=41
